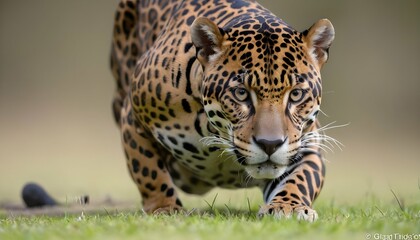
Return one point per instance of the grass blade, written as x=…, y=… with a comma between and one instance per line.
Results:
x=398, y=200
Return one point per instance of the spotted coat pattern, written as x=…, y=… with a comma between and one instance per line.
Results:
x=219, y=93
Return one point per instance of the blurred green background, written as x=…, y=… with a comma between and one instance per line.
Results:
x=56, y=125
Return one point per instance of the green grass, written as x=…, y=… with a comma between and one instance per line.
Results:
x=356, y=221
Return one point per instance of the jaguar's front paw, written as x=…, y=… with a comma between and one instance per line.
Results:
x=306, y=213
x=285, y=210
x=169, y=210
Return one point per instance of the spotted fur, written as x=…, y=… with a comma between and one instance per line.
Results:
x=219, y=93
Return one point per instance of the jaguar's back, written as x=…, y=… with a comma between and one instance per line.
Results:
x=136, y=27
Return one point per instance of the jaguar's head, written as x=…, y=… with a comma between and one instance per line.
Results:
x=261, y=88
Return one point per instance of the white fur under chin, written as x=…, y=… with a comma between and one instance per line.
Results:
x=265, y=170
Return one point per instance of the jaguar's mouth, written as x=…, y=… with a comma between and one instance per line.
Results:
x=266, y=170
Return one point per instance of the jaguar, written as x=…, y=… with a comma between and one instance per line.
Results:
x=219, y=93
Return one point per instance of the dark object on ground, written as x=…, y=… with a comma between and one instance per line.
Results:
x=35, y=196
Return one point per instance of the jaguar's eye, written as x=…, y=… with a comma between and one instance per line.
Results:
x=297, y=95
x=241, y=94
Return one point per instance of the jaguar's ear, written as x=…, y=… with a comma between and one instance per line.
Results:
x=319, y=38
x=207, y=38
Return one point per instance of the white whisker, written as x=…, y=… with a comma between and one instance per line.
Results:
x=317, y=139
x=323, y=113
x=320, y=145
x=247, y=179
x=331, y=126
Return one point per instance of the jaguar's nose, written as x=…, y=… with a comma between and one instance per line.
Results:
x=270, y=146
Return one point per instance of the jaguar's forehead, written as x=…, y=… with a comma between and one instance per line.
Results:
x=271, y=55
x=268, y=25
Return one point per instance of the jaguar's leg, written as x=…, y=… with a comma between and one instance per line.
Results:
x=296, y=192
x=146, y=164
